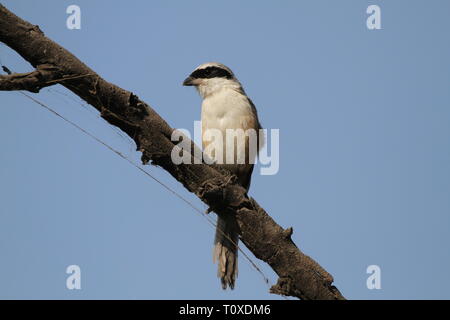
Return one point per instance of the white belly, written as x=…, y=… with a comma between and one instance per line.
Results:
x=224, y=110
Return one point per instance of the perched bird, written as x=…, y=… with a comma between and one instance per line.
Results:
x=226, y=106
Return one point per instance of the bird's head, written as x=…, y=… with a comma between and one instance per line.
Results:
x=211, y=77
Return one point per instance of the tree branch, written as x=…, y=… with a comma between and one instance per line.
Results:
x=299, y=275
x=44, y=75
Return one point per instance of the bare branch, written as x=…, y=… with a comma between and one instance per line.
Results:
x=300, y=276
x=34, y=81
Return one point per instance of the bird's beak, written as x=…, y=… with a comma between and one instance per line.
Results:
x=189, y=81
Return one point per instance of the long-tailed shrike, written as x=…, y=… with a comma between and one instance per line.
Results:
x=226, y=106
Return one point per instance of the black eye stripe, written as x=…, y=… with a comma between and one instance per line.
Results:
x=211, y=72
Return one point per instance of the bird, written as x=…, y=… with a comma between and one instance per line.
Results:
x=225, y=106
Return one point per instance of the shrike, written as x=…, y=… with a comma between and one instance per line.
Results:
x=226, y=106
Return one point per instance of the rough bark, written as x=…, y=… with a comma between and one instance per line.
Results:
x=299, y=275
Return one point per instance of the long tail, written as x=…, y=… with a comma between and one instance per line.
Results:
x=225, y=249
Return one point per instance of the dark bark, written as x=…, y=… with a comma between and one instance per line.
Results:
x=299, y=275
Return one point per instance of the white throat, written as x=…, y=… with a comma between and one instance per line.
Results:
x=215, y=85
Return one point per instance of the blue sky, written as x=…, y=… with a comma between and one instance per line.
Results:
x=364, y=173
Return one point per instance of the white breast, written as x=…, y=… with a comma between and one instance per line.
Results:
x=227, y=109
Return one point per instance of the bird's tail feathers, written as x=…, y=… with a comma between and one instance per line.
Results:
x=225, y=250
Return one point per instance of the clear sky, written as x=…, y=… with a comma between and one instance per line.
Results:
x=364, y=173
